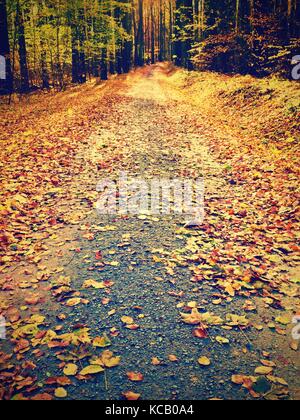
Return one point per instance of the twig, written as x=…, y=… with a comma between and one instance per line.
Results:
x=105, y=380
x=244, y=334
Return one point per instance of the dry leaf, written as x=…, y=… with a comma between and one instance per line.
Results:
x=131, y=396
x=135, y=377
x=61, y=393
x=204, y=361
x=91, y=370
x=71, y=369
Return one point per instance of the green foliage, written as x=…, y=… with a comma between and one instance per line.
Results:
x=60, y=31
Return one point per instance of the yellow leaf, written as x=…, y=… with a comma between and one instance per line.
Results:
x=91, y=370
x=263, y=370
x=93, y=284
x=71, y=370
x=112, y=312
x=276, y=380
x=294, y=345
x=127, y=320
x=204, y=361
x=284, y=319
x=113, y=263
x=229, y=289
x=192, y=305
x=268, y=363
x=193, y=318
x=222, y=340
x=61, y=393
x=235, y=320
x=102, y=341
x=109, y=360
x=73, y=302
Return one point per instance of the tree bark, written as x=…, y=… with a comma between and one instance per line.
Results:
x=127, y=50
x=6, y=84
x=24, y=83
x=140, y=36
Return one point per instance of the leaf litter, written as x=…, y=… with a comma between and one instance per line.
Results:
x=245, y=252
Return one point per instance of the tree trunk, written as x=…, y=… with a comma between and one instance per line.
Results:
x=237, y=17
x=127, y=50
x=43, y=64
x=104, y=67
x=75, y=54
x=24, y=84
x=152, y=34
x=6, y=81
x=140, y=36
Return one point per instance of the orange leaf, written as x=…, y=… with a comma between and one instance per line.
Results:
x=131, y=396
x=135, y=377
x=200, y=333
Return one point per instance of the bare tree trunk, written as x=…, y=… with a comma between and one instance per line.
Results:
x=140, y=35
x=127, y=50
x=6, y=84
x=24, y=85
x=171, y=29
x=152, y=34
x=237, y=17
x=103, y=60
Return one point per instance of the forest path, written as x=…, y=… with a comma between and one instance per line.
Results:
x=148, y=267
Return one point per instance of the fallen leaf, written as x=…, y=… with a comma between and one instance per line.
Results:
x=284, y=319
x=135, y=377
x=263, y=370
x=222, y=340
x=102, y=341
x=127, y=320
x=155, y=361
x=131, y=396
x=73, y=302
x=91, y=370
x=61, y=393
x=109, y=360
x=71, y=369
x=88, y=284
x=200, y=332
x=204, y=361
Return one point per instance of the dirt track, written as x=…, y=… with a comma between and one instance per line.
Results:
x=148, y=129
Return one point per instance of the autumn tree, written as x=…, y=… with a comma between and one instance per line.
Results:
x=48, y=44
x=184, y=21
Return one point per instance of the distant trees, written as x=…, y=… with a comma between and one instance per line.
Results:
x=246, y=36
x=50, y=43
x=184, y=32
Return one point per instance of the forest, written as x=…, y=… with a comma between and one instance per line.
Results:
x=57, y=42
